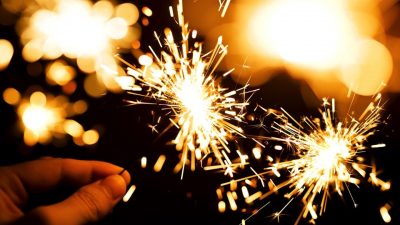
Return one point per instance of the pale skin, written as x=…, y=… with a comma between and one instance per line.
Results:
x=99, y=187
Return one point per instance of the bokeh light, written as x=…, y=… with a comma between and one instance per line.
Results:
x=305, y=32
x=58, y=72
x=44, y=117
x=312, y=40
x=6, y=53
x=89, y=33
x=11, y=96
x=367, y=67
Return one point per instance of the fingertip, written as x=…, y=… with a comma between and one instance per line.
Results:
x=127, y=176
x=115, y=185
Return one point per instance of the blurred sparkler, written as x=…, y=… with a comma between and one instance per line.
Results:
x=44, y=117
x=90, y=33
x=182, y=80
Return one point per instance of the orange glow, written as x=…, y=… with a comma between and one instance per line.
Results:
x=90, y=137
x=366, y=67
x=44, y=117
x=6, y=53
x=11, y=96
x=59, y=73
x=312, y=40
x=129, y=12
x=39, y=119
x=309, y=33
x=147, y=11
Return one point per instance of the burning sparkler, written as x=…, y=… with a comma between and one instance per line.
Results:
x=182, y=80
x=327, y=157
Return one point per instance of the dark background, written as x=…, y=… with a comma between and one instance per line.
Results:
x=162, y=198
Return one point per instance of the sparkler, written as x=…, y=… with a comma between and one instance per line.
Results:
x=182, y=80
x=327, y=157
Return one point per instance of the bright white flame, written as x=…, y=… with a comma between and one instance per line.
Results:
x=193, y=100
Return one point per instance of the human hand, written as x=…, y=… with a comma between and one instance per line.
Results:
x=100, y=189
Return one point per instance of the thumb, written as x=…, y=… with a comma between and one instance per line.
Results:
x=88, y=204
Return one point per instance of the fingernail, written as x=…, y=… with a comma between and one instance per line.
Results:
x=125, y=174
x=115, y=185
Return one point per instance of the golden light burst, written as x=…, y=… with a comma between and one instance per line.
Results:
x=327, y=156
x=90, y=33
x=44, y=117
x=182, y=80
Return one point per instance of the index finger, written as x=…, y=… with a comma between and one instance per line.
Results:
x=45, y=174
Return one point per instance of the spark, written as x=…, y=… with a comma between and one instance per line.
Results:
x=153, y=128
x=159, y=163
x=223, y=6
x=231, y=201
x=182, y=80
x=129, y=193
x=277, y=215
x=143, y=162
x=244, y=221
x=384, y=210
x=221, y=206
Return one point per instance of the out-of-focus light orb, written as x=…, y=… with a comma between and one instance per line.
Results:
x=6, y=53
x=103, y=10
x=80, y=107
x=93, y=86
x=129, y=12
x=59, y=73
x=32, y=51
x=147, y=11
x=73, y=128
x=145, y=60
x=90, y=137
x=87, y=64
x=366, y=67
x=117, y=28
x=38, y=98
x=310, y=33
x=11, y=96
x=39, y=119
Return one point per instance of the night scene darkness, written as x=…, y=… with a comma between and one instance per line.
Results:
x=224, y=112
